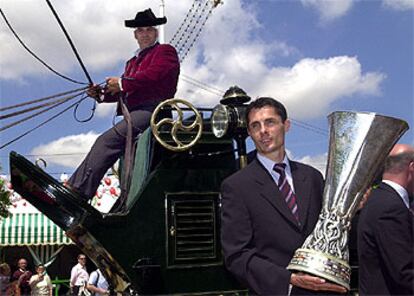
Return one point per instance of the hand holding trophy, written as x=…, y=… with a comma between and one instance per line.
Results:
x=358, y=146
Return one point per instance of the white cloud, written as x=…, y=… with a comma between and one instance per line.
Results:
x=103, y=110
x=319, y=162
x=319, y=82
x=73, y=147
x=308, y=83
x=329, y=9
x=231, y=54
x=226, y=54
x=400, y=5
x=96, y=28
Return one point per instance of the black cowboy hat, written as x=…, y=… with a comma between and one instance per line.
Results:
x=145, y=18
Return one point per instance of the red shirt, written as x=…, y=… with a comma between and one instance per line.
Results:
x=24, y=284
x=149, y=78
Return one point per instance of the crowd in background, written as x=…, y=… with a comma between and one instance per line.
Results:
x=23, y=282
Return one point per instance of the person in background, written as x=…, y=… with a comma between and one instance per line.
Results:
x=269, y=208
x=150, y=77
x=40, y=282
x=21, y=277
x=4, y=279
x=97, y=283
x=79, y=275
x=385, y=229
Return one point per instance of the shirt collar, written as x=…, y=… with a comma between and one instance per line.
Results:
x=402, y=192
x=139, y=50
x=269, y=164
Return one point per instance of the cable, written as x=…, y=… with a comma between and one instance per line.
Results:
x=34, y=55
x=41, y=124
x=43, y=99
x=310, y=127
x=191, y=27
x=31, y=109
x=184, y=51
x=203, y=87
x=195, y=81
x=70, y=42
x=183, y=22
x=56, y=154
x=64, y=100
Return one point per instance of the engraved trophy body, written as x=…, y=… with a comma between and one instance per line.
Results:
x=358, y=146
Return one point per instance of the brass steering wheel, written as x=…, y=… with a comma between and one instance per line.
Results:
x=177, y=124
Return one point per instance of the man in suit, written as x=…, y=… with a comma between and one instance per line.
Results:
x=150, y=77
x=264, y=220
x=385, y=230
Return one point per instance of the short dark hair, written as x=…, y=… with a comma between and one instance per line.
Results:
x=395, y=164
x=267, y=102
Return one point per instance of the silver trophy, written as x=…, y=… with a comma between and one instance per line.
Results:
x=358, y=146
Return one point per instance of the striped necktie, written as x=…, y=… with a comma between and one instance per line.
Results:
x=286, y=190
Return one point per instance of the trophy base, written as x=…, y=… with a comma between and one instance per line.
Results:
x=322, y=265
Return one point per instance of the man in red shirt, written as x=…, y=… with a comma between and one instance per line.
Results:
x=150, y=77
x=22, y=276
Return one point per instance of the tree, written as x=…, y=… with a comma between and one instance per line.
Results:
x=4, y=199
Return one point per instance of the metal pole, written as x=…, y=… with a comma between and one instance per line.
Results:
x=161, y=32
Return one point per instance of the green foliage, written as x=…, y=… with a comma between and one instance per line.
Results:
x=4, y=200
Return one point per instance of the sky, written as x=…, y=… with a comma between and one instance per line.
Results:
x=315, y=56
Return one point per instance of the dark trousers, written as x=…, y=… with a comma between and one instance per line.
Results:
x=75, y=290
x=107, y=148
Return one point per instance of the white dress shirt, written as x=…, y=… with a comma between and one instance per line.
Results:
x=269, y=164
x=78, y=275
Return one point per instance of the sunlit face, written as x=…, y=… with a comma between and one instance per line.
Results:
x=146, y=36
x=268, y=131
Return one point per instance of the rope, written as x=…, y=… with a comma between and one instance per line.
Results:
x=180, y=28
x=191, y=27
x=38, y=113
x=88, y=118
x=206, y=88
x=43, y=99
x=183, y=22
x=70, y=42
x=128, y=158
x=41, y=124
x=310, y=127
x=31, y=109
x=34, y=55
x=184, y=48
x=203, y=85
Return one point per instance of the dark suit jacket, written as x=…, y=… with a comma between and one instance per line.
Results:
x=385, y=245
x=259, y=233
